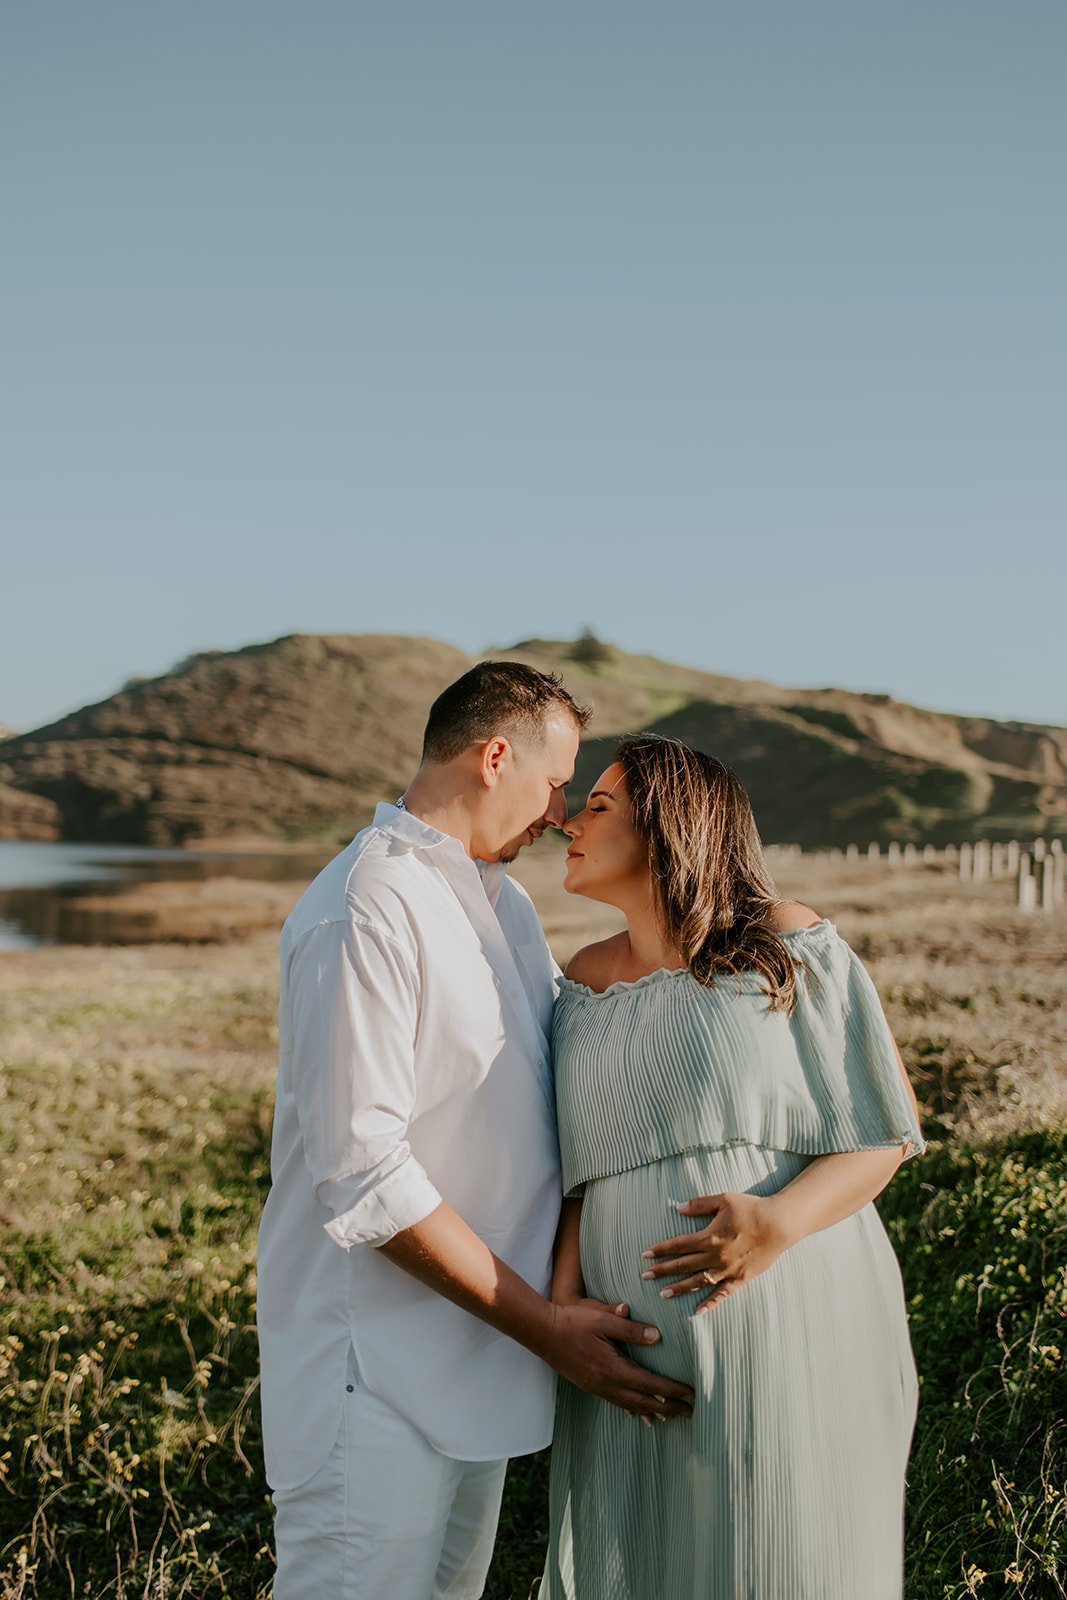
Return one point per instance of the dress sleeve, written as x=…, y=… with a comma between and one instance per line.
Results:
x=848, y=1055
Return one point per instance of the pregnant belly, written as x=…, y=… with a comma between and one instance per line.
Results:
x=625, y=1214
x=823, y=1330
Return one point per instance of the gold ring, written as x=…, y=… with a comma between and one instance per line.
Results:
x=707, y=1277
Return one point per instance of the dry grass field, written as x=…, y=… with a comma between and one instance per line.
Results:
x=136, y=1085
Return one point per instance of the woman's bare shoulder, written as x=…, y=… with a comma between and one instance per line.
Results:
x=596, y=965
x=788, y=915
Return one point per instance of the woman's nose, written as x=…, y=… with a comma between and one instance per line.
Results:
x=570, y=827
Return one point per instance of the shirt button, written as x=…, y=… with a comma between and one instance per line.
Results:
x=351, y=1388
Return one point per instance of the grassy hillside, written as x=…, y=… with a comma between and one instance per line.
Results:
x=825, y=766
x=294, y=739
x=298, y=738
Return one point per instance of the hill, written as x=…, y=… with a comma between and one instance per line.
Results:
x=297, y=739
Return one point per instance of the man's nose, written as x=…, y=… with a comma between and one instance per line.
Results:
x=556, y=815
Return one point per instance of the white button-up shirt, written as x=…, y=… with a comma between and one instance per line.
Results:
x=414, y=1016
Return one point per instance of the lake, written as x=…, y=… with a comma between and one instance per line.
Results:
x=36, y=879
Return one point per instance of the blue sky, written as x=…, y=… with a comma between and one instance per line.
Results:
x=735, y=332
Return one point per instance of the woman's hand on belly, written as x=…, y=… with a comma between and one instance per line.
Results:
x=742, y=1239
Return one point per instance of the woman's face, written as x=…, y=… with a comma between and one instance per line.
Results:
x=606, y=861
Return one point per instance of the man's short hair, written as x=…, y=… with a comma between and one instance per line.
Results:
x=503, y=697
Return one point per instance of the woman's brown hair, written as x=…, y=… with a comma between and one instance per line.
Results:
x=713, y=890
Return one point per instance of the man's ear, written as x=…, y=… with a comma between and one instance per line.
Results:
x=495, y=754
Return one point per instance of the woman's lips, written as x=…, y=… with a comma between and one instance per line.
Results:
x=574, y=855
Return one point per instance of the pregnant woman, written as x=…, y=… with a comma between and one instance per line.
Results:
x=730, y=1101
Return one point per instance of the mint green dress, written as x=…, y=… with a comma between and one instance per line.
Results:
x=787, y=1483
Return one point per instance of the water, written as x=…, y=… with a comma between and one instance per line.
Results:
x=36, y=878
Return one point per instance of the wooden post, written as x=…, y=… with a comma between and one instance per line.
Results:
x=893, y=853
x=874, y=852
x=1027, y=884
x=1060, y=870
x=852, y=853
x=1039, y=849
x=911, y=854
x=929, y=852
x=981, y=861
x=1048, y=883
x=966, y=862
x=996, y=861
x=951, y=852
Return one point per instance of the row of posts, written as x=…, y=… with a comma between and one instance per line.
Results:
x=1038, y=871
x=1038, y=868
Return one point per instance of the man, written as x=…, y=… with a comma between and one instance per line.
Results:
x=406, y=1244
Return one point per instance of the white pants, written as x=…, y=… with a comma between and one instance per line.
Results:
x=386, y=1517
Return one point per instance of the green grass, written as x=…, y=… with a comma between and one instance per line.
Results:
x=981, y=1234
x=133, y=1166
x=130, y=1439
x=129, y=1431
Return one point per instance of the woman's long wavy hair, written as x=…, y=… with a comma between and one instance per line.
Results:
x=713, y=890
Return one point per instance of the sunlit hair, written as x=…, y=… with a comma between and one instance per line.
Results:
x=505, y=697
x=714, y=893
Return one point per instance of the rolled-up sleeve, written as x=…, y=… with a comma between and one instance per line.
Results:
x=354, y=1008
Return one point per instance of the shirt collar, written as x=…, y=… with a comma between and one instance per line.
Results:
x=411, y=833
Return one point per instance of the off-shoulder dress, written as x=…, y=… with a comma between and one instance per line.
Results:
x=787, y=1483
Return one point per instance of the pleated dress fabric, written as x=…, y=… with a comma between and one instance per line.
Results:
x=787, y=1483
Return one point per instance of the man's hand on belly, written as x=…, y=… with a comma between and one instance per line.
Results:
x=580, y=1341
x=584, y=1348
